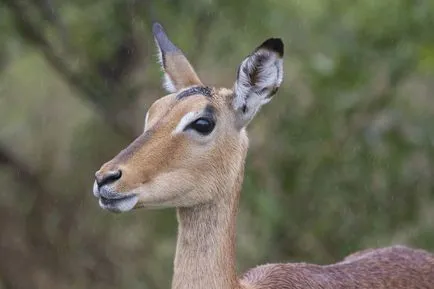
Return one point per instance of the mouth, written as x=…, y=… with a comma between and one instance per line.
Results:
x=119, y=204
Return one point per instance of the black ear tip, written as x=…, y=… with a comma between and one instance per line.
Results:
x=273, y=44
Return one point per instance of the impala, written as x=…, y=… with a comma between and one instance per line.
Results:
x=191, y=157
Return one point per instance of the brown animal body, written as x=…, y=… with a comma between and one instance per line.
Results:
x=191, y=157
x=396, y=267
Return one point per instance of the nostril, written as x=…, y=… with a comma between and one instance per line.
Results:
x=108, y=177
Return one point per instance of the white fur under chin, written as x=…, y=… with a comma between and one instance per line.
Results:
x=95, y=190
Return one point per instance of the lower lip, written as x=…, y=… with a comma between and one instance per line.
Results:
x=118, y=205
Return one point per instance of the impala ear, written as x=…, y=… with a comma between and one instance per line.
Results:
x=258, y=79
x=178, y=73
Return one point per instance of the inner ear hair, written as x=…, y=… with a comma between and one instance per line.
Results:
x=258, y=78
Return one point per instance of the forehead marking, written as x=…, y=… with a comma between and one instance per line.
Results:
x=203, y=90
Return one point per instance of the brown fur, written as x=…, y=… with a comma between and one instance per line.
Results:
x=178, y=68
x=396, y=267
x=202, y=178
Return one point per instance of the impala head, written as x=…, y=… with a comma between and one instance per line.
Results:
x=193, y=146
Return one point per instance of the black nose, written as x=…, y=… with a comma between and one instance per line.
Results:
x=108, y=177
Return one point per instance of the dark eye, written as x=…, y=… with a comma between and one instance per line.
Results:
x=202, y=125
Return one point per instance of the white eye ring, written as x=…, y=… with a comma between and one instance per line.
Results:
x=185, y=121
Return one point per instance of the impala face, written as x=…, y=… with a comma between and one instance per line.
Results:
x=194, y=143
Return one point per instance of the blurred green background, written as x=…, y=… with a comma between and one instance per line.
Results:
x=342, y=159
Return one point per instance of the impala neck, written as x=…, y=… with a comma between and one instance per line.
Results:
x=205, y=253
